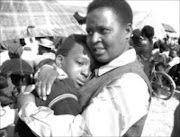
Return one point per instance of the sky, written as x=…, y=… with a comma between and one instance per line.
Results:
x=166, y=11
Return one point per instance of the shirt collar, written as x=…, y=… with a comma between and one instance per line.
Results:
x=125, y=58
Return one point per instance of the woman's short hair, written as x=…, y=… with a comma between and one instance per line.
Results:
x=120, y=7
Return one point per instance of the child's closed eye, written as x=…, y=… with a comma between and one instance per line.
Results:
x=81, y=63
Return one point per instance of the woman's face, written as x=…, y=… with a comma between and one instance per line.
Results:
x=77, y=64
x=107, y=37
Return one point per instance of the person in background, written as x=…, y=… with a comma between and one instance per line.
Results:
x=174, y=59
x=143, y=44
x=164, y=47
x=13, y=50
x=178, y=47
x=112, y=103
x=29, y=53
x=45, y=50
x=14, y=74
x=8, y=114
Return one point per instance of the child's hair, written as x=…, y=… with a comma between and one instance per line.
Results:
x=120, y=7
x=68, y=44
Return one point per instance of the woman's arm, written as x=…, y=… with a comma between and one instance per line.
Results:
x=45, y=78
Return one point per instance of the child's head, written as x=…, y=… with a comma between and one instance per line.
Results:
x=75, y=59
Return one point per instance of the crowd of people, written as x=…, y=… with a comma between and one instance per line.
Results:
x=85, y=85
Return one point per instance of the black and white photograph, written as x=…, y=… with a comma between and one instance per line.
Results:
x=100, y=68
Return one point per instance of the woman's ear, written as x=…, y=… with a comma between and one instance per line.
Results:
x=59, y=60
x=128, y=31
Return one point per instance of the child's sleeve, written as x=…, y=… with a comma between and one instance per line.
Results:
x=64, y=98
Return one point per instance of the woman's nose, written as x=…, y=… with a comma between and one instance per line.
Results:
x=95, y=38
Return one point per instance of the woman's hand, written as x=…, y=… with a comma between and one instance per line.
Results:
x=45, y=79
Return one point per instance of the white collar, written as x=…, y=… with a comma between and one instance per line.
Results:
x=125, y=58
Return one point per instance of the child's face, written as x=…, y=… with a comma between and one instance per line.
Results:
x=77, y=64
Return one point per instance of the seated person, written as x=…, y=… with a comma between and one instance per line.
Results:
x=74, y=64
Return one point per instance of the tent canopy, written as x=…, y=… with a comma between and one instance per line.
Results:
x=168, y=28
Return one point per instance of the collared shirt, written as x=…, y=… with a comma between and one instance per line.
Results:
x=120, y=104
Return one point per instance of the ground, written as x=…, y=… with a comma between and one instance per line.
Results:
x=160, y=119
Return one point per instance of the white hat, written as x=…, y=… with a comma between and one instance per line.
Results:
x=46, y=43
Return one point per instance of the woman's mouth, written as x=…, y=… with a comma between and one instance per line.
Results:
x=98, y=50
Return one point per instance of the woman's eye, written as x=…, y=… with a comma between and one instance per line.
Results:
x=104, y=31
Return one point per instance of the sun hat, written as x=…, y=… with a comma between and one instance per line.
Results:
x=45, y=42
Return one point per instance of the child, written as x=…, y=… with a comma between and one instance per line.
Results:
x=74, y=64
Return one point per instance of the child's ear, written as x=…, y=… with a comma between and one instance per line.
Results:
x=59, y=60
